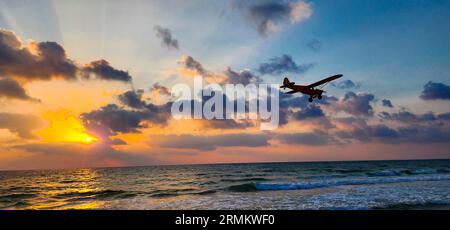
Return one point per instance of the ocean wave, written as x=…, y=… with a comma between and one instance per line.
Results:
x=16, y=196
x=101, y=194
x=427, y=205
x=341, y=182
x=245, y=179
x=193, y=192
x=247, y=187
x=403, y=172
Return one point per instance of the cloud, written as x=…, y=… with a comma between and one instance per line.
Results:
x=347, y=84
x=191, y=67
x=166, y=37
x=41, y=61
x=159, y=93
x=115, y=119
x=9, y=88
x=189, y=63
x=20, y=124
x=434, y=91
x=244, y=77
x=357, y=104
x=315, y=45
x=387, y=103
x=134, y=115
x=209, y=142
x=76, y=155
x=160, y=89
x=226, y=124
x=112, y=119
x=310, y=111
x=383, y=131
x=47, y=60
x=357, y=129
x=316, y=138
x=104, y=71
x=283, y=64
x=409, y=117
x=415, y=129
x=270, y=16
x=117, y=141
x=288, y=103
x=133, y=99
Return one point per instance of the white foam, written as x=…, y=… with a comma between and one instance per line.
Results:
x=349, y=181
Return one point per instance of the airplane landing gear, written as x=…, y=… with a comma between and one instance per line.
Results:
x=310, y=99
x=319, y=97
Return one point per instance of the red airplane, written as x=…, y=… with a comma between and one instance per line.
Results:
x=308, y=89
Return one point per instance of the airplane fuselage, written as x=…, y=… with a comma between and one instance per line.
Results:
x=305, y=90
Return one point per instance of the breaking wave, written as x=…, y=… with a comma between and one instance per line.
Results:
x=348, y=181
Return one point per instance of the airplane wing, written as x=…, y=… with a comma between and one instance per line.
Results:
x=326, y=80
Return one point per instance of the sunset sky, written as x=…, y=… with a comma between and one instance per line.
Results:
x=87, y=83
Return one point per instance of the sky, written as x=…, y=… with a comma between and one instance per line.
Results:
x=88, y=83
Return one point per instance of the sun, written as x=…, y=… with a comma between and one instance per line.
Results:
x=64, y=126
x=88, y=140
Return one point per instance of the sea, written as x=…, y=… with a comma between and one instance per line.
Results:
x=415, y=184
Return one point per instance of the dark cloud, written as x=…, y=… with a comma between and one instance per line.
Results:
x=209, y=142
x=42, y=61
x=133, y=99
x=289, y=103
x=387, y=103
x=160, y=89
x=363, y=132
x=353, y=128
x=221, y=123
x=347, y=84
x=112, y=119
x=47, y=60
x=316, y=138
x=408, y=131
x=228, y=76
x=358, y=129
x=383, y=131
x=115, y=119
x=117, y=141
x=10, y=88
x=283, y=64
x=444, y=116
x=315, y=45
x=104, y=71
x=409, y=117
x=22, y=125
x=434, y=91
x=134, y=115
x=190, y=63
x=227, y=124
x=269, y=16
x=310, y=111
x=357, y=104
x=243, y=77
x=166, y=37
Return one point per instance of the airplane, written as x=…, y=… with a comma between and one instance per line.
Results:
x=308, y=89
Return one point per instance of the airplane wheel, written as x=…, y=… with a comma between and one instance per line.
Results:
x=320, y=97
x=310, y=99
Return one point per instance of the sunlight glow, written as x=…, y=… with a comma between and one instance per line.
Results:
x=64, y=126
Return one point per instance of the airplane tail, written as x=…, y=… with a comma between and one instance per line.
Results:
x=286, y=83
